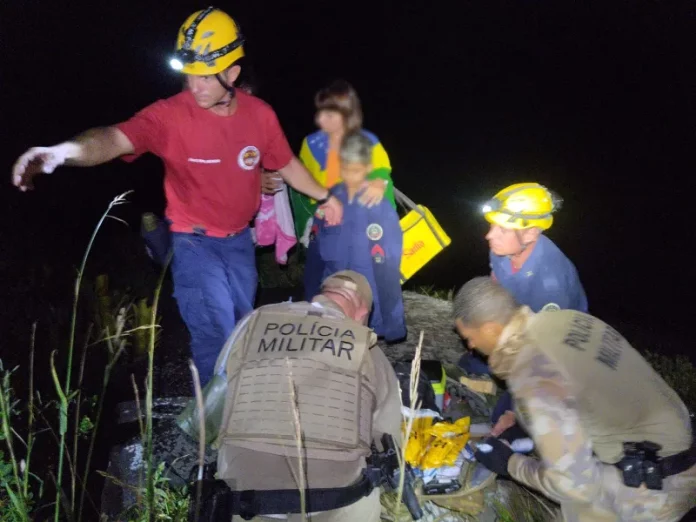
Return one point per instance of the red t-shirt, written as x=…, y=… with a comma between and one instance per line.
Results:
x=212, y=163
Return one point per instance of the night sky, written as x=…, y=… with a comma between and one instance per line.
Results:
x=594, y=101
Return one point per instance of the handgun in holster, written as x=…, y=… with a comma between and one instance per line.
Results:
x=641, y=464
x=383, y=469
x=209, y=497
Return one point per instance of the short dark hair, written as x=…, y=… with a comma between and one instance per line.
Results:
x=482, y=300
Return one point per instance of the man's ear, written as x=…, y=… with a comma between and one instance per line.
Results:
x=233, y=73
x=531, y=234
x=362, y=314
x=459, y=326
x=491, y=332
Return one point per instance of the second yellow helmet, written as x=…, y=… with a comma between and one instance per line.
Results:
x=208, y=42
x=521, y=206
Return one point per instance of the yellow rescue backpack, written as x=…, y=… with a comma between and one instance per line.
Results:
x=424, y=238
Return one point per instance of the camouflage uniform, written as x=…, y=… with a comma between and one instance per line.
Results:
x=581, y=390
x=244, y=468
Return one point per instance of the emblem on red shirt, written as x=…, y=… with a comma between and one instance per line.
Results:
x=249, y=157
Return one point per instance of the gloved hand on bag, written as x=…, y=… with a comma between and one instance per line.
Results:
x=494, y=454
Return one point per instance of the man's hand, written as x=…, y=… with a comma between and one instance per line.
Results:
x=271, y=182
x=495, y=455
x=333, y=211
x=92, y=147
x=506, y=420
x=513, y=433
x=373, y=193
x=37, y=160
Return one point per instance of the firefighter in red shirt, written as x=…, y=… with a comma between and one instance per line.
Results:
x=214, y=141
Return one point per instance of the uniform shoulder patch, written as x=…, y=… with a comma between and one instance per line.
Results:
x=374, y=231
x=550, y=307
x=377, y=254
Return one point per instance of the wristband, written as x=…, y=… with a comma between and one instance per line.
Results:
x=324, y=200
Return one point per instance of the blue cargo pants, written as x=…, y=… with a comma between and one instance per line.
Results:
x=214, y=286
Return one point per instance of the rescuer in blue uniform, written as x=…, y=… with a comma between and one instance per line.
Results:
x=369, y=241
x=525, y=262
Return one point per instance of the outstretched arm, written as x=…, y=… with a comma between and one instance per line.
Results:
x=92, y=147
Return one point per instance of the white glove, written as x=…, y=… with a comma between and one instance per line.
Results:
x=37, y=160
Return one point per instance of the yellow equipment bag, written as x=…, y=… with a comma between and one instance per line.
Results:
x=424, y=238
x=434, y=445
x=418, y=440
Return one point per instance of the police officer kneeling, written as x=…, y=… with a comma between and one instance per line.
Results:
x=346, y=396
x=615, y=441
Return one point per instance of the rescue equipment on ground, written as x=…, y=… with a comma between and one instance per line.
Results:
x=456, y=481
x=435, y=372
x=425, y=391
x=424, y=238
x=463, y=488
x=480, y=384
x=523, y=205
x=432, y=445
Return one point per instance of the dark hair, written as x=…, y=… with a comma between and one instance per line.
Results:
x=340, y=96
x=482, y=300
x=246, y=80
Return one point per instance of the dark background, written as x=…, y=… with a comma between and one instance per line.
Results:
x=596, y=101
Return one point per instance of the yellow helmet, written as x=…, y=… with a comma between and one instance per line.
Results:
x=209, y=42
x=521, y=206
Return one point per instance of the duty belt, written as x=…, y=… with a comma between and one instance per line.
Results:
x=250, y=503
x=679, y=463
x=641, y=464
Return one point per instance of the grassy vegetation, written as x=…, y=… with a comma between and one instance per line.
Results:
x=274, y=275
x=679, y=372
x=437, y=293
x=22, y=490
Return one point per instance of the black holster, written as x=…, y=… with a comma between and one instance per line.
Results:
x=209, y=501
x=641, y=465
